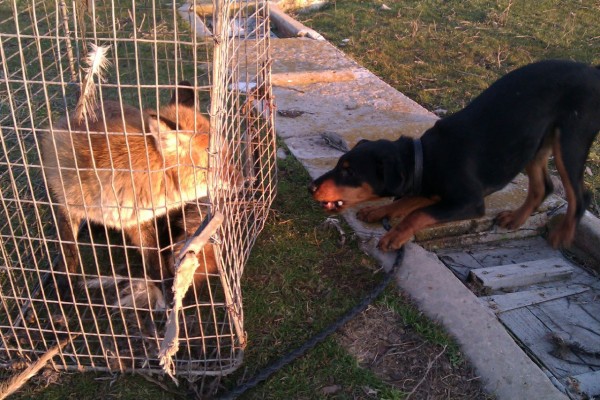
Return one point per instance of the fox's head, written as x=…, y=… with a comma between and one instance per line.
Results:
x=181, y=134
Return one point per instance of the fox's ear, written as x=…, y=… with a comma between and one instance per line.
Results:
x=184, y=94
x=162, y=130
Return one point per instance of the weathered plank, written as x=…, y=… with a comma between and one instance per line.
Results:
x=590, y=302
x=510, y=301
x=534, y=335
x=460, y=263
x=587, y=384
x=566, y=318
x=513, y=251
x=523, y=274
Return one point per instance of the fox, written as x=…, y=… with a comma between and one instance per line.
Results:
x=174, y=229
x=125, y=169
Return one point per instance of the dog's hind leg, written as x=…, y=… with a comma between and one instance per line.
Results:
x=540, y=186
x=570, y=153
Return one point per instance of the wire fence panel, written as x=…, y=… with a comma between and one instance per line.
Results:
x=124, y=126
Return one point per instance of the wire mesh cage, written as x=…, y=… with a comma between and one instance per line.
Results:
x=125, y=126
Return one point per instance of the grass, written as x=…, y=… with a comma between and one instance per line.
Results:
x=299, y=279
x=78, y=386
x=443, y=53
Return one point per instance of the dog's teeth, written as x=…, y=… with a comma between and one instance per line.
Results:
x=339, y=203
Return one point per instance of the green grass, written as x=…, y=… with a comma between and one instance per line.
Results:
x=78, y=386
x=299, y=279
x=444, y=53
x=428, y=330
x=326, y=365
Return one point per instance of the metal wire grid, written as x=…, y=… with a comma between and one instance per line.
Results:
x=42, y=45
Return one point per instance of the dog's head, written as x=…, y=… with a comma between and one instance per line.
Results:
x=370, y=170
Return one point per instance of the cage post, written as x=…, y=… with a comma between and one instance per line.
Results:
x=217, y=95
x=70, y=56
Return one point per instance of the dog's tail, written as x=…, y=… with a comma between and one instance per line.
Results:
x=131, y=292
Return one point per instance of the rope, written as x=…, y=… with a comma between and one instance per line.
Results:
x=321, y=336
x=185, y=267
x=14, y=383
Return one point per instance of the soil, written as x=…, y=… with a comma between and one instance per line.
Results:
x=399, y=356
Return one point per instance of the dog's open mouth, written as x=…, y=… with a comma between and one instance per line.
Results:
x=333, y=205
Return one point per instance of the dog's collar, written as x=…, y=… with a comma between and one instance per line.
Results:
x=418, y=172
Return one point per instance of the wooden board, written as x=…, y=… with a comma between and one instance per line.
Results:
x=510, y=301
x=512, y=252
x=460, y=263
x=534, y=335
x=556, y=322
x=588, y=384
x=567, y=318
x=523, y=274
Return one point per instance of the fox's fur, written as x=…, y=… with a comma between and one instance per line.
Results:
x=134, y=292
x=172, y=236
x=125, y=169
x=181, y=226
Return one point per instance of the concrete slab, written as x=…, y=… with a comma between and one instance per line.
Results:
x=359, y=105
x=587, y=237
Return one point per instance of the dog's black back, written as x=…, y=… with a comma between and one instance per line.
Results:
x=507, y=124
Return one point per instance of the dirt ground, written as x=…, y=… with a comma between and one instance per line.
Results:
x=400, y=357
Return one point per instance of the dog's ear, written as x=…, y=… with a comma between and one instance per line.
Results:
x=361, y=141
x=184, y=94
x=393, y=178
x=391, y=172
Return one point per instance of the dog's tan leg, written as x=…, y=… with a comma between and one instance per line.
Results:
x=563, y=234
x=397, y=209
x=406, y=229
x=537, y=172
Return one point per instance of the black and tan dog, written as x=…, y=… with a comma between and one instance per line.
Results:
x=542, y=109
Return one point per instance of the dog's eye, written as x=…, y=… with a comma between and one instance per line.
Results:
x=347, y=172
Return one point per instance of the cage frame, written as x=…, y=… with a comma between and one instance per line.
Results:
x=252, y=115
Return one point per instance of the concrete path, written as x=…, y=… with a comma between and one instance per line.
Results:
x=318, y=89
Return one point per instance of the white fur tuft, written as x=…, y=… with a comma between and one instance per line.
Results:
x=97, y=64
x=134, y=292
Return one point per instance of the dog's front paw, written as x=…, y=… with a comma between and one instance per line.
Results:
x=562, y=235
x=394, y=239
x=510, y=219
x=371, y=214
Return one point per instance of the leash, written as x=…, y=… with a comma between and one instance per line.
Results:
x=321, y=336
